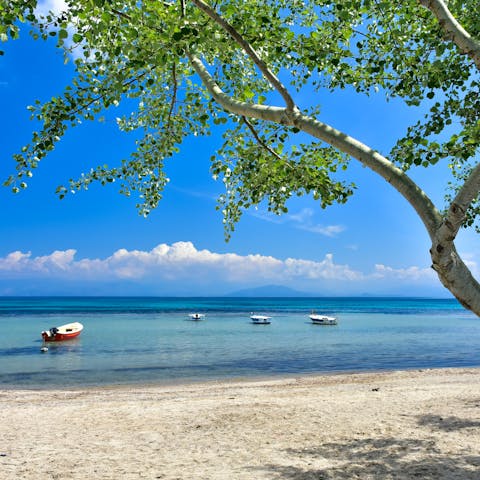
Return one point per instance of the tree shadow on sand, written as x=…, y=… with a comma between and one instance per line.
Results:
x=447, y=424
x=376, y=459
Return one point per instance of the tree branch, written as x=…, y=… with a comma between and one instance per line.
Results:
x=451, y=270
x=174, y=95
x=260, y=141
x=417, y=198
x=459, y=206
x=263, y=112
x=453, y=29
x=249, y=50
x=470, y=189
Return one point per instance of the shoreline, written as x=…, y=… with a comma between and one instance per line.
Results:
x=179, y=382
x=398, y=424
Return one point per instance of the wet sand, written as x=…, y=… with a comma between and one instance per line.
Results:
x=396, y=425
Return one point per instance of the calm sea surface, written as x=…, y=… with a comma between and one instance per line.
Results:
x=151, y=340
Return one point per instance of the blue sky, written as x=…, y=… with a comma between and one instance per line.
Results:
x=95, y=243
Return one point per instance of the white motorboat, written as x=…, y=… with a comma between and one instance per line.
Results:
x=64, y=332
x=260, y=319
x=323, y=319
x=196, y=316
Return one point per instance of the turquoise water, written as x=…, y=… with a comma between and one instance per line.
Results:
x=151, y=340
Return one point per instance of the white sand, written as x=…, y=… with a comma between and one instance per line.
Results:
x=400, y=425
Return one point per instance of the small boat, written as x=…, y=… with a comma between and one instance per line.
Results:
x=260, y=319
x=196, y=316
x=322, y=319
x=64, y=332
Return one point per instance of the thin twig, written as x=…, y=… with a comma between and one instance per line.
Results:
x=262, y=143
x=174, y=96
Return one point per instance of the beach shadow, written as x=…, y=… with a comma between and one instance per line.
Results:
x=376, y=459
x=447, y=424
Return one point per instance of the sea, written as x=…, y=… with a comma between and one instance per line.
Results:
x=136, y=340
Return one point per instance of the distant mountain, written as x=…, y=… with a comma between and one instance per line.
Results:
x=269, y=291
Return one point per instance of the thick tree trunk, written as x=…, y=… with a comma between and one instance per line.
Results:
x=451, y=270
x=455, y=275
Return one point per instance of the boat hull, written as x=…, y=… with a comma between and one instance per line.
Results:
x=59, y=337
x=260, y=319
x=323, y=320
x=62, y=333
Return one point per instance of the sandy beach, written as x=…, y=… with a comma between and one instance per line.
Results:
x=396, y=425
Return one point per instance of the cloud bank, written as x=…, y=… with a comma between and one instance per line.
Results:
x=182, y=269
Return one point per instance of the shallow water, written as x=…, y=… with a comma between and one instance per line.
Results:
x=151, y=340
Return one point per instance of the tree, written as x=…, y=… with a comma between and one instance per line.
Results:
x=192, y=65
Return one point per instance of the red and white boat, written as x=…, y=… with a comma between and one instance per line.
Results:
x=64, y=332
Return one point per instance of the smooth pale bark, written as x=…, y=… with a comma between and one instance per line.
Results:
x=451, y=270
x=453, y=30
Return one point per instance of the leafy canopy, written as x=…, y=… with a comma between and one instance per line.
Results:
x=137, y=51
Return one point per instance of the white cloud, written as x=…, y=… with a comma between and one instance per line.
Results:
x=182, y=267
x=326, y=269
x=303, y=216
x=183, y=260
x=55, y=6
x=410, y=273
x=15, y=261
x=471, y=263
x=328, y=231
x=302, y=220
x=57, y=261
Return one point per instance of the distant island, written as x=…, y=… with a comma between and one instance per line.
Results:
x=269, y=291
